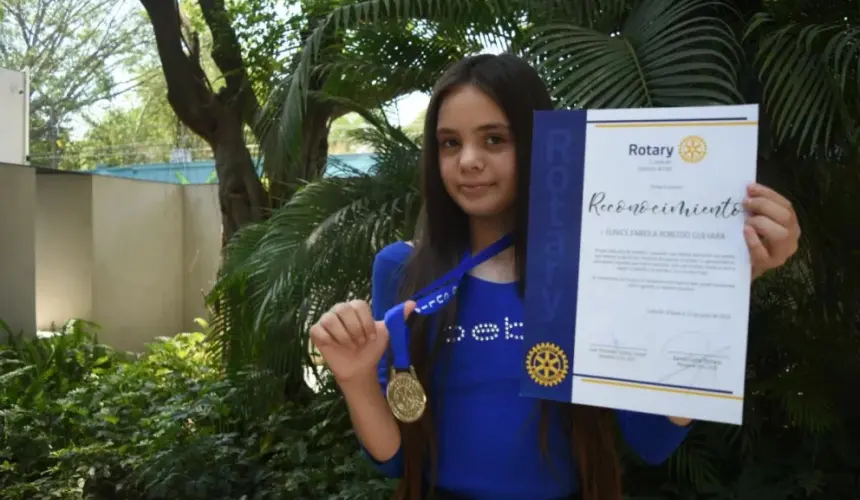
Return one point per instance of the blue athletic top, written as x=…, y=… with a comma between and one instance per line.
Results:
x=487, y=434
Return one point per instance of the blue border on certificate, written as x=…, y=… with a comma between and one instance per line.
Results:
x=653, y=384
x=552, y=268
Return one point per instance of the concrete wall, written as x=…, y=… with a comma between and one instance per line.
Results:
x=137, y=260
x=201, y=245
x=64, y=249
x=133, y=256
x=17, y=248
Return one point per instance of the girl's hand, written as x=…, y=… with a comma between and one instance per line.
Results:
x=350, y=341
x=680, y=421
x=771, y=231
x=772, y=234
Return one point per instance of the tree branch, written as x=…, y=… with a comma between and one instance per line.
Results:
x=227, y=54
x=187, y=89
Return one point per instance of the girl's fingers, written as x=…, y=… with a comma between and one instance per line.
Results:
x=381, y=329
x=320, y=337
x=758, y=252
x=756, y=189
x=770, y=209
x=351, y=322
x=334, y=327
x=768, y=230
x=408, y=308
x=365, y=318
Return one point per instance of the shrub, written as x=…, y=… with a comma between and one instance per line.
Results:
x=78, y=420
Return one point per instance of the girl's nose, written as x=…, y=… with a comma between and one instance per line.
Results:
x=470, y=159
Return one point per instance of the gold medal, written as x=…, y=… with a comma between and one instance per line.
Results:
x=405, y=395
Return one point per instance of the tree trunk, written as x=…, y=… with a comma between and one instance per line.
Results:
x=315, y=129
x=316, y=123
x=240, y=193
x=217, y=118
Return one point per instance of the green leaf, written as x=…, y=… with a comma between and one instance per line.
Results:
x=667, y=53
x=811, y=78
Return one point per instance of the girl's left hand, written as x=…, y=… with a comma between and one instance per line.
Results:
x=771, y=231
x=772, y=234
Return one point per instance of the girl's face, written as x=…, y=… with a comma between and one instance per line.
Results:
x=477, y=157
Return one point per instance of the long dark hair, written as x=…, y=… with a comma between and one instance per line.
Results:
x=442, y=237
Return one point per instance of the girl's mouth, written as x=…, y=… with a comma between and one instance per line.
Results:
x=474, y=189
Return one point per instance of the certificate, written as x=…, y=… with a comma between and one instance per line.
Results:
x=638, y=274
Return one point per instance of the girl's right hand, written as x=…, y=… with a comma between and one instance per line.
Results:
x=350, y=341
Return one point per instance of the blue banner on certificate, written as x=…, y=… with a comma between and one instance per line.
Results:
x=638, y=277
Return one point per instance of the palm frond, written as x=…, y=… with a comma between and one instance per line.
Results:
x=811, y=79
x=315, y=251
x=694, y=462
x=383, y=134
x=481, y=20
x=667, y=53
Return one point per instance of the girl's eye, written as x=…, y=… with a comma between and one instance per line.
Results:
x=495, y=139
x=448, y=143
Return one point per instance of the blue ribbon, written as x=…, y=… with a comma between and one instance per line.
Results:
x=433, y=298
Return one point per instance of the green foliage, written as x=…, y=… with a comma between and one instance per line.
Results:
x=145, y=132
x=373, y=52
x=666, y=53
x=799, y=59
x=811, y=77
x=78, y=420
x=75, y=51
x=341, y=138
x=323, y=244
x=804, y=352
x=269, y=39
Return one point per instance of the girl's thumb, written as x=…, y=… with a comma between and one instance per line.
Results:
x=408, y=307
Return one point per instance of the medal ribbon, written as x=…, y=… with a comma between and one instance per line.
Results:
x=433, y=298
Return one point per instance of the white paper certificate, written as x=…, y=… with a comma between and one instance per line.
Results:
x=663, y=277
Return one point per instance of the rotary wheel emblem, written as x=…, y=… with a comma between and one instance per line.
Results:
x=692, y=149
x=547, y=364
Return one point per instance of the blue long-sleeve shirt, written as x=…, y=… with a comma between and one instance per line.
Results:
x=487, y=434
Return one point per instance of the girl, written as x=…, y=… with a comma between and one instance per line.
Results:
x=478, y=438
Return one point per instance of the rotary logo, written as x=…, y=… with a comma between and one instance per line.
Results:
x=692, y=149
x=547, y=364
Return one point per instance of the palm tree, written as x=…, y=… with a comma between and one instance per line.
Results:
x=800, y=63
x=278, y=276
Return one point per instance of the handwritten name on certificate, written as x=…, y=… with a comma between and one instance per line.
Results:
x=638, y=276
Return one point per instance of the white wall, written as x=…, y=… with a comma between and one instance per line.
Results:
x=14, y=134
